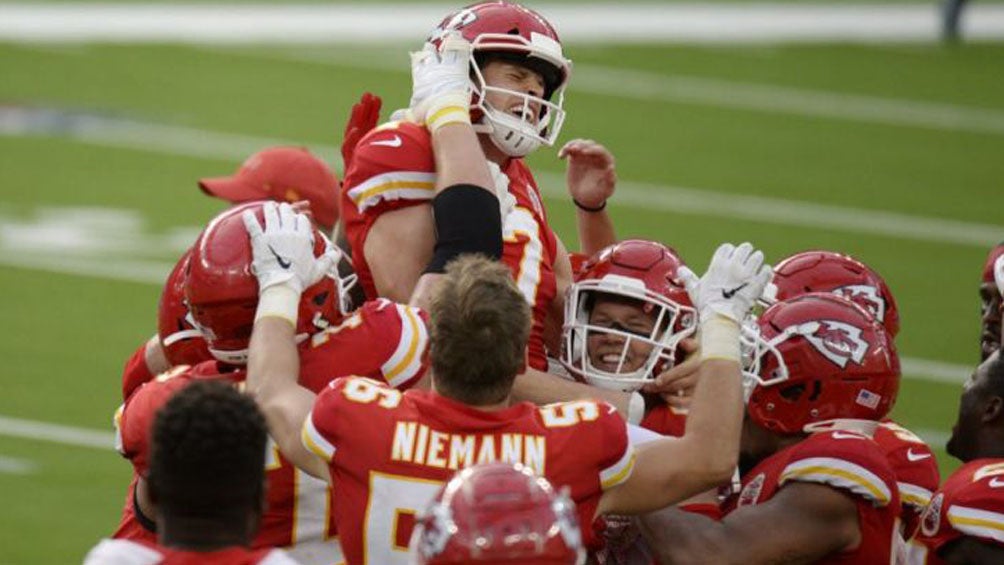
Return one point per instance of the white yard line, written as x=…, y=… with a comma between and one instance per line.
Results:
x=698, y=91
x=17, y=466
x=594, y=23
x=663, y=198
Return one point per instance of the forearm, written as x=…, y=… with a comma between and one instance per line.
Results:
x=677, y=536
x=539, y=387
x=596, y=230
x=459, y=158
x=715, y=417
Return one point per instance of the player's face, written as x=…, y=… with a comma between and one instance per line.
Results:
x=606, y=348
x=512, y=76
x=990, y=309
x=963, y=443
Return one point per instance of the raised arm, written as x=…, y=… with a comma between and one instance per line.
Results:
x=591, y=179
x=284, y=264
x=671, y=470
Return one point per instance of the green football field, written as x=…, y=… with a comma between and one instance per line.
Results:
x=891, y=153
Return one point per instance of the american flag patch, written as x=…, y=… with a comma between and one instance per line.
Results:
x=868, y=399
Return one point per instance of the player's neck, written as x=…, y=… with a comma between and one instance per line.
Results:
x=492, y=152
x=990, y=445
x=202, y=534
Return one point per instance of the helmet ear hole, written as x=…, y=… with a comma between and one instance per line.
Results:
x=792, y=393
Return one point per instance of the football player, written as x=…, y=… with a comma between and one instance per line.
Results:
x=964, y=523
x=912, y=460
x=518, y=73
x=626, y=319
x=388, y=451
x=990, y=305
x=207, y=479
x=498, y=513
x=381, y=340
x=813, y=488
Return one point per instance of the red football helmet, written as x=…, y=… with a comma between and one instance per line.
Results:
x=498, y=513
x=836, y=273
x=180, y=338
x=819, y=358
x=641, y=271
x=514, y=33
x=222, y=292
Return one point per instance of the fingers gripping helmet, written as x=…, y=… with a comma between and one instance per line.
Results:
x=511, y=32
x=640, y=271
x=498, y=513
x=222, y=292
x=819, y=358
x=836, y=273
x=179, y=336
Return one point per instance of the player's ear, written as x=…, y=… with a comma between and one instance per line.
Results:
x=993, y=409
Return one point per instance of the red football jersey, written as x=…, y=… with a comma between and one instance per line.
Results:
x=970, y=503
x=846, y=461
x=382, y=340
x=125, y=551
x=666, y=420
x=389, y=452
x=394, y=168
x=915, y=467
x=297, y=513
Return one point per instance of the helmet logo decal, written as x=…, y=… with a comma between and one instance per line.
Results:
x=460, y=20
x=837, y=341
x=865, y=295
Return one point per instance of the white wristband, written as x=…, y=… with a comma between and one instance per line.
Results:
x=450, y=108
x=279, y=301
x=719, y=338
x=636, y=408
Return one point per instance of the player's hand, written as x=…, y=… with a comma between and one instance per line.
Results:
x=441, y=81
x=283, y=250
x=362, y=119
x=735, y=278
x=591, y=176
x=676, y=386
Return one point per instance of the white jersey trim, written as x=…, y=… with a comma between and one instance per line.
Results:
x=621, y=470
x=977, y=523
x=841, y=474
x=122, y=552
x=394, y=185
x=314, y=441
x=914, y=495
x=406, y=362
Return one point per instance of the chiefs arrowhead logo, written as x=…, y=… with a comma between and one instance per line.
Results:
x=931, y=519
x=864, y=295
x=837, y=341
x=751, y=492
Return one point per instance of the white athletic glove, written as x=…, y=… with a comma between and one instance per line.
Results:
x=284, y=261
x=724, y=297
x=735, y=278
x=441, y=84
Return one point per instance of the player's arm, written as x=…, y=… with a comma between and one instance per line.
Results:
x=968, y=550
x=397, y=248
x=671, y=470
x=562, y=266
x=591, y=180
x=466, y=209
x=284, y=264
x=540, y=387
x=801, y=524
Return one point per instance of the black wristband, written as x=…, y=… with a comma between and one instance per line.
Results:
x=585, y=208
x=468, y=220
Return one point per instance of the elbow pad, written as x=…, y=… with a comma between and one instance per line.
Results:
x=467, y=221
